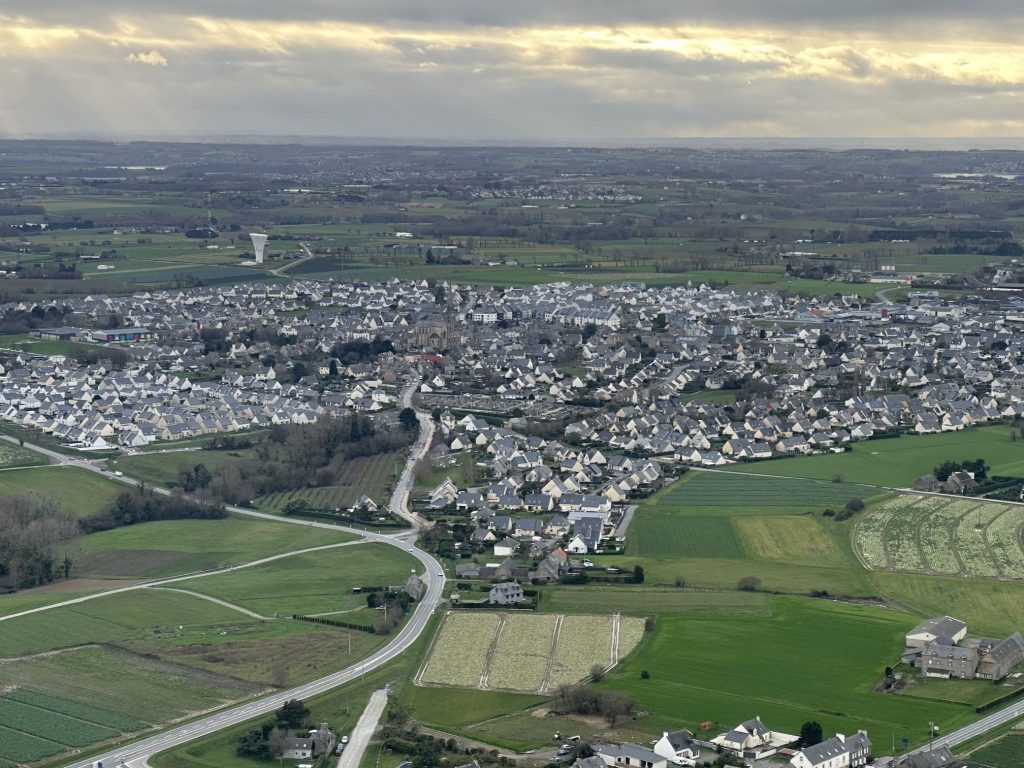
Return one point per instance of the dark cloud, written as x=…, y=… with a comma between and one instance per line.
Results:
x=838, y=15
x=463, y=80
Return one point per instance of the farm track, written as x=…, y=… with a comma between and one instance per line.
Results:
x=552, y=654
x=46, y=654
x=218, y=601
x=951, y=535
x=489, y=658
x=616, y=629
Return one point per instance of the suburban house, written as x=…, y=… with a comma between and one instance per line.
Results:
x=753, y=740
x=508, y=593
x=838, y=752
x=632, y=755
x=678, y=747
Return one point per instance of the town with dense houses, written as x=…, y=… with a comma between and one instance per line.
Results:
x=567, y=404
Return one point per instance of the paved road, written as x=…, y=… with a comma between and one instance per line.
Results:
x=976, y=728
x=135, y=754
x=359, y=740
x=399, y=504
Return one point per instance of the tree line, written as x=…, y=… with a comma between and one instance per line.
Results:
x=37, y=536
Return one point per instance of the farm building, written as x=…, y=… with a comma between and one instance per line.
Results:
x=940, y=647
x=931, y=630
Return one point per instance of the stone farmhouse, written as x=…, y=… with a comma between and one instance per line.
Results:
x=940, y=647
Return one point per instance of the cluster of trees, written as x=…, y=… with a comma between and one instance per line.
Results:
x=190, y=480
x=392, y=605
x=143, y=505
x=35, y=540
x=810, y=734
x=21, y=320
x=267, y=741
x=852, y=507
x=587, y=700
x=352, y=352
x=947, y=468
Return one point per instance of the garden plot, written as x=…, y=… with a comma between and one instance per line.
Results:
x=936, y=535
x=528, y=653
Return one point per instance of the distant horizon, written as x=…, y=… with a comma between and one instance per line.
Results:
x=911, y=143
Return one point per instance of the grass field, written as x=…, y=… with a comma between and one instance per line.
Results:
x=654, y=600
x=730, y=492
x=173, y=547
x=992, y=608
x=1007, y=752
x=175, y=653
x=163, y=468
x=525, y=652
x=928, y=534
x=898, y=462
x=79, y=491
x=318, y=582
x=812, y=660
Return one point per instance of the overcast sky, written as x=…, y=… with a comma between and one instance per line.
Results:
x=504, y=70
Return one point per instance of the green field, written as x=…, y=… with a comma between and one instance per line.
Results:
x=318, y=582
x=1004, y=753
x=711, y=528
x=79, y=491
x=161, y=468
x=172, y=547
x=898, y=462
x=812, y=660
x=771, y=495
x=653, y=600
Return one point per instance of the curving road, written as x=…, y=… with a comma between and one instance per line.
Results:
x=136, y=753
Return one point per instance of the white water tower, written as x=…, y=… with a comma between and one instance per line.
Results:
x=259, y=242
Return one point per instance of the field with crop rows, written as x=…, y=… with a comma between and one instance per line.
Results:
x=372, y=476
x=459, y=656
x=525, y=652
x=729, y=490
x=958, y=537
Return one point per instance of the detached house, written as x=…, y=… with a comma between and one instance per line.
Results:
x=753, y=740
x=678, y=747
x=838, y=752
